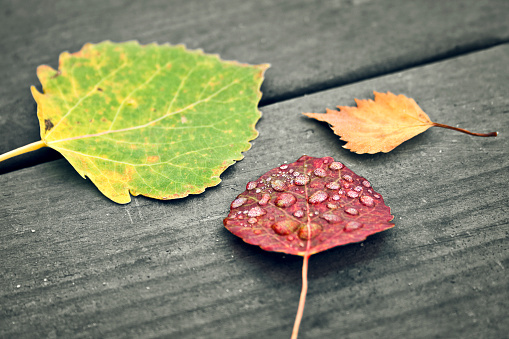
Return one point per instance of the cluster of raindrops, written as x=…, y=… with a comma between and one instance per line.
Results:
x=291, y=200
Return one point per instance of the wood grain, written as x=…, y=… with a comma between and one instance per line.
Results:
x=74, y=264
x=312, y=45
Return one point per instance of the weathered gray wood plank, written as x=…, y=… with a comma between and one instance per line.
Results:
x=311, y=44
x=75, y=264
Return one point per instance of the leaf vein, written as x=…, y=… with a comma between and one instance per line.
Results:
x=112, y=73
x=63, y=150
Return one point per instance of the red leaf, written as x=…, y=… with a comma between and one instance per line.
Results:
x=307, y=207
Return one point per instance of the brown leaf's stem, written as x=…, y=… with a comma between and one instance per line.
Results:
x=492, y=134
x=25, y=149
x=302, y=300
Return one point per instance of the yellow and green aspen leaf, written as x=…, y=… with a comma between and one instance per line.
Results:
x=157, y=120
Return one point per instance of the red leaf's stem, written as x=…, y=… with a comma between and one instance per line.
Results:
x=492, y=134
x=304, y=291
x=302, y=300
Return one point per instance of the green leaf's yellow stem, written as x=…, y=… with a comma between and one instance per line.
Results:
x=25, y=149
x=302, y=300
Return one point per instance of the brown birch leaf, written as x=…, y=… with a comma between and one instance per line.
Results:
x=380, y=125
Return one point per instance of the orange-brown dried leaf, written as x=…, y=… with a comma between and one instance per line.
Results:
x=377, y=125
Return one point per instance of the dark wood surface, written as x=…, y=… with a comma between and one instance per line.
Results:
x=312, y=45
x=74, y=264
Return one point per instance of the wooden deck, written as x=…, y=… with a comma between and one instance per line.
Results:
x=74, y=264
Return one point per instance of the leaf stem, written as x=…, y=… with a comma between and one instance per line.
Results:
x=492, y=134
x=302, y=300
x=25, y=149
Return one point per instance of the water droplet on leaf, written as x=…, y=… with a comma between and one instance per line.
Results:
x=352, y=226
x=367, y=201
x=251, y=185
x=351, y=211
x=252, y=220
x=347, y=178
x=318, y=197
x=301, y=180
x=298, y=214
x=256, y=212
x=264, y=200
x=285, y=200
x=238, y=202
x=332, y=218
x=314, y=230
x=278, y=185
x=336, y=165
x=320, y=172
x=285, y=227
x=333, y=185
x=352, y=194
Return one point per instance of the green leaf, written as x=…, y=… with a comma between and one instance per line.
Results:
x=155, y=120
